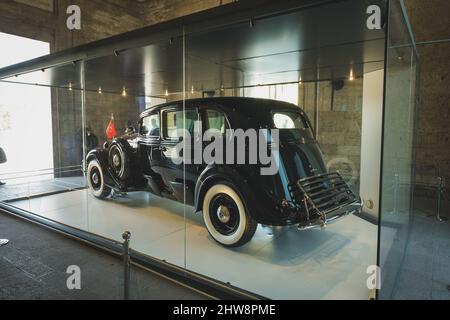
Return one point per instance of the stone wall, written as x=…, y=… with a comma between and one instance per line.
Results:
x=431, y=27
x=339, y=124
x=46, y=19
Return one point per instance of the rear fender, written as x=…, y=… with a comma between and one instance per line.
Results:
x=214, y=173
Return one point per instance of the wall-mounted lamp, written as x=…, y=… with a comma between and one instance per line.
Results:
x=70, y=86
x=167, y=93
x=192, y=90
x=124, y=92
x=100, y=90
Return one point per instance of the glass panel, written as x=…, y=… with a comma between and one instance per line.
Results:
x=132, y=183
x=398, y=154
x=279, y=73
x=43, y=141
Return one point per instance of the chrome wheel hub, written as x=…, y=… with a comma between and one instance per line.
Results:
x=116, y=160
x=95, y=178
x=223, y=214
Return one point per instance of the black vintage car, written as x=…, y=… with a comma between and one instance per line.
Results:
x=233, y=198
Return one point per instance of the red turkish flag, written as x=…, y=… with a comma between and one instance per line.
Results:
x=111, y=131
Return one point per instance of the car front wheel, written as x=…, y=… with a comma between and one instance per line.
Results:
x=96, y=180
x=226, y=217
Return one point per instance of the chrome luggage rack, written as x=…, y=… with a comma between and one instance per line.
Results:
x=325, y=198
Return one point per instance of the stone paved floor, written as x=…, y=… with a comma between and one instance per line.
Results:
x=425, y=272
x=34, y=263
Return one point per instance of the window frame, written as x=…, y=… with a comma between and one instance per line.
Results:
x=164, y=113
x=205, y=109
x=141, y=122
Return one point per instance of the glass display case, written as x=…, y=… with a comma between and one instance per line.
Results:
x=96, y=144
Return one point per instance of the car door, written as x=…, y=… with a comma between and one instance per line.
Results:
x=216, y=123
x=170, y=165
x=149, y=142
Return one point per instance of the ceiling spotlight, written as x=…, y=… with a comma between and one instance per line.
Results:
x=124, y=92
x=351, y=77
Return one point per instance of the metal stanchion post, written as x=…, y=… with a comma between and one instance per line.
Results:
x=440, y=191
x=126, y=265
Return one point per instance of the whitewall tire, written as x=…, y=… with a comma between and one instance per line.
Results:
x=96, y=181
x=226, y=217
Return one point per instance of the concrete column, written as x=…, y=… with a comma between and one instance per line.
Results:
x=372, y=116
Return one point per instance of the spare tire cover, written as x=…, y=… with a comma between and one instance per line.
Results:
x=119, y=159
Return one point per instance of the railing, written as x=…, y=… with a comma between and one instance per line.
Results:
x=438, y=188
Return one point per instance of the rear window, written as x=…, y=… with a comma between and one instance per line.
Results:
x=288, y=120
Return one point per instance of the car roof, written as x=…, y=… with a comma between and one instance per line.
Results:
x=245, y=105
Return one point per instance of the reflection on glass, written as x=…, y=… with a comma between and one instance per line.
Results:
x=398, y=155
x=279, y=59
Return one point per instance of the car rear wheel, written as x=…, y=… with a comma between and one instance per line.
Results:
x=96, y=180
x=226, y=217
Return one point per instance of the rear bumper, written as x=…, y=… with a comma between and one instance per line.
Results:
x=332, y=216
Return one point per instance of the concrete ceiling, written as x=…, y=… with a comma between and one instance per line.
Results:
x=318, y=43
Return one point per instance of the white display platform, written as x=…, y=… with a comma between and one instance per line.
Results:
x=279, y=263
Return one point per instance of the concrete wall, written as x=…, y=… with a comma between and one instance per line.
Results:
x=372, y=117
